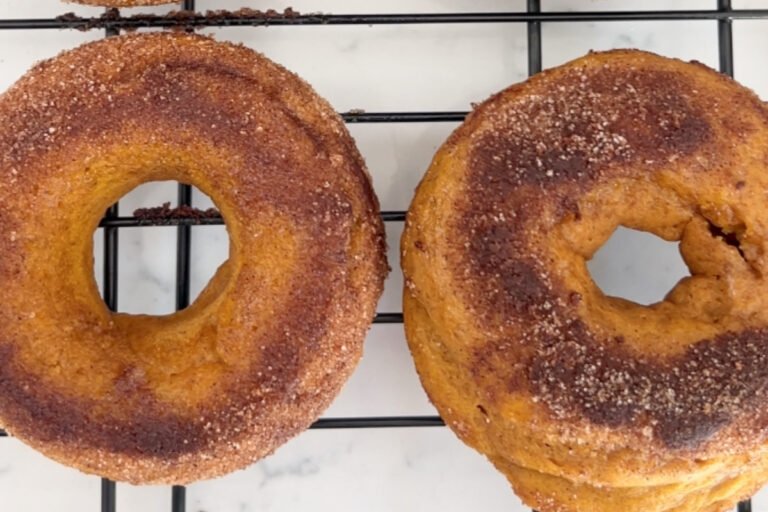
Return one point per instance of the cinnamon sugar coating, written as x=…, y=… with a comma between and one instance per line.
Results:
x=590, y=402
x=274, y=335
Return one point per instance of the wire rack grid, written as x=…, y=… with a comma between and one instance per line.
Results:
x=533, y=17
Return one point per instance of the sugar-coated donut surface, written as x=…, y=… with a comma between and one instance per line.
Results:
x=271, y=339
x=590, y=402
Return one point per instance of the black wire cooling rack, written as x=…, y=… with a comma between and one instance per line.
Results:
x=113, y=23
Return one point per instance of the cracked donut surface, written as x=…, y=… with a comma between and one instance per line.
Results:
x=585, y=401
x=275, y=333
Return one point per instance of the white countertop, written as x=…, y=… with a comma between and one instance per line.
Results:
x=379, y=68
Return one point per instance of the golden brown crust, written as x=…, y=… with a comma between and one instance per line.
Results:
x=274, y=335
x=566, y=390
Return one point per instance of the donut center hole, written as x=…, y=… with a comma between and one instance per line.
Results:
x=153, y=277
x=637, y=266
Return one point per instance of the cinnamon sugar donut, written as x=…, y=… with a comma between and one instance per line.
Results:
x=585, y=401
x=279, y=328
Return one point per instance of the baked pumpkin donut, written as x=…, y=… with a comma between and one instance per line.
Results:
x=274, y=335
x=585, y=401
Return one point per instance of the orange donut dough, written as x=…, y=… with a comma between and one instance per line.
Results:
x=588, y=402
x=279, y=328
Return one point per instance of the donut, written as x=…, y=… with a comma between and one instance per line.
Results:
x=586, y=401
x=270, y=340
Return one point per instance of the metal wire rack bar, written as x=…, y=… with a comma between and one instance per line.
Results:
x=365, y=422
x=388, y=318
x=403, y=117
x=108, y=487
x=138, y=222
x=725, y=38
x=183, y=260
x=275, y=19
x=379, y=422
x=534, y=39
x=725, y=53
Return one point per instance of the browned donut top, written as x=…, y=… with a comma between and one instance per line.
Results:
x=546, y=170
x=278, y=329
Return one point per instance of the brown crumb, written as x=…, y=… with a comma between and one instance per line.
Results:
x=165, y=212
x=175, y=19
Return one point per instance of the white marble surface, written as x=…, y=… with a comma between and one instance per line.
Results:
x=382, y=68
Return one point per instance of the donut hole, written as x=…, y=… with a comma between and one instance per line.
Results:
x=637, y=266
x=146, y=263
